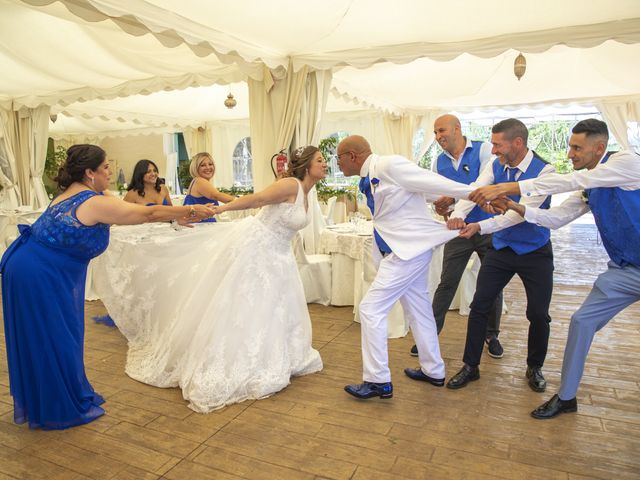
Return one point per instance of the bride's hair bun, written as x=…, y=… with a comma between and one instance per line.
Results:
x=299, y=161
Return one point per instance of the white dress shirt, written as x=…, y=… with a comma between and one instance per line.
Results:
x=485, y=155
x=509, y=219
x=621, y=170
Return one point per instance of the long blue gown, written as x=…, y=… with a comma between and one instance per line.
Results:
x=43, y=281
x=191, y=200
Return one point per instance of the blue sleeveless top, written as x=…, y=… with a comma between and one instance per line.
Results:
x=164, y=202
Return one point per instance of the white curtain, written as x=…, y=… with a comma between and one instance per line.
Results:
x=170, y=149
x=40, y=128
x=400, y=131
x=616, y=115
x=10, y=195
x=274, y=106
x=307, y=132
x=367, y=123
x=426, y=122
x=30, y=147
x=225, y=136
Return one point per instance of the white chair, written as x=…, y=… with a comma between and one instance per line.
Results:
x=331, y=208
x=315, y=273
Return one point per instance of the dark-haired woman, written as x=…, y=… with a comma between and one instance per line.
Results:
x=145, y=187
x=243, y=328
x=43, y=279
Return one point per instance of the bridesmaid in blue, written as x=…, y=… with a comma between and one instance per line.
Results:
x=201, y=190
x=145, y=187
x=43, y=279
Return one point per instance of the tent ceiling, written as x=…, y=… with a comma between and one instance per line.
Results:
x=83, y=56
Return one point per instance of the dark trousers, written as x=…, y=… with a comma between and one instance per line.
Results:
x=535, y=269
x=456, y=256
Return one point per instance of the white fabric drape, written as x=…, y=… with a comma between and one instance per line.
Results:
x=616, y=117
x=307, y=132
x=400, y=131
x=225, y=136
x=40, y=128
x=170, y=150
x=29, y=146
x=617, y=114
x=274, y=106
x=367, y=123
x=8, y=165
x=426, y=122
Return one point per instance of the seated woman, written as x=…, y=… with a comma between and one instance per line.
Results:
x=145, y=187
x=201, y=190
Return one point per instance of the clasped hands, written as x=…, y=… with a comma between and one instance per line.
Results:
x=197, y=213
x=491, y=199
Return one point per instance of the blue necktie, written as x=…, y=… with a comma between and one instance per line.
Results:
x=365, y=187
x=511, y=174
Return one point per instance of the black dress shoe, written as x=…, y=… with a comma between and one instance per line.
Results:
x=370, y=390
x=554, y=407
x=418, y=374
x=465, y=375
x=414, y=351
x=536, y=379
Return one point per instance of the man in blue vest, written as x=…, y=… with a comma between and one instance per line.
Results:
x=519, y=247
x=609, y=186
x=461, y=161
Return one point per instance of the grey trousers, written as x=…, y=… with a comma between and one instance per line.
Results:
x=614, y=290
x=456, y=256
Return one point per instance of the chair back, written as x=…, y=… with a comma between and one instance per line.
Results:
x=331, y=208
x=298, y=249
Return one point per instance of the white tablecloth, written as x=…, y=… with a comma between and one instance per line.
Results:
x=353, y=271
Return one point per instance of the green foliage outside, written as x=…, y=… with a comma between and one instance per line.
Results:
x=549, y=139
x=328, y=147
x=56, y=157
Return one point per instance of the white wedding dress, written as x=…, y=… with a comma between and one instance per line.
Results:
x=243, y=328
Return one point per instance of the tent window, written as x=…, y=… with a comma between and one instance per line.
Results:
x=335, y=177
x=242, y=176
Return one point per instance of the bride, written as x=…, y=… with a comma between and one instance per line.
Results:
x=243, y=329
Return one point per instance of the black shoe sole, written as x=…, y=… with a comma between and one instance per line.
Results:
x=435, y=383
x=492, y=355
x=567, y=410
x=537, y=389
x=413, y=354
x=383, y=396
x=452, y=387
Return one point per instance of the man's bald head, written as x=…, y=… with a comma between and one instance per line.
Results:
x=448, y=119
x=355, y=143
x=448, y=132
x=352, y=152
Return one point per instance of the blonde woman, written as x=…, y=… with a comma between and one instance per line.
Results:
x=201, y=190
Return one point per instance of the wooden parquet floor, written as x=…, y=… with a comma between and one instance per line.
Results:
x=314, y=430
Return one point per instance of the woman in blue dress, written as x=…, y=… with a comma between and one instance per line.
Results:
x=201, y=190
x=146, y=187
x=43, y=279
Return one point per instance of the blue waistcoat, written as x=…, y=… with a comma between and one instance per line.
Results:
x=524, y=237
x=617, y=215
x=468, y=171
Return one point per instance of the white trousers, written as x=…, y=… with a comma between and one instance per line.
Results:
x=404, y=280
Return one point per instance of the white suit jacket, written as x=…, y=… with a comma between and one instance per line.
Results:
x=401, y=216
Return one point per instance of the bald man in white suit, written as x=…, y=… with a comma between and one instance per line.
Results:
x=404, y=236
